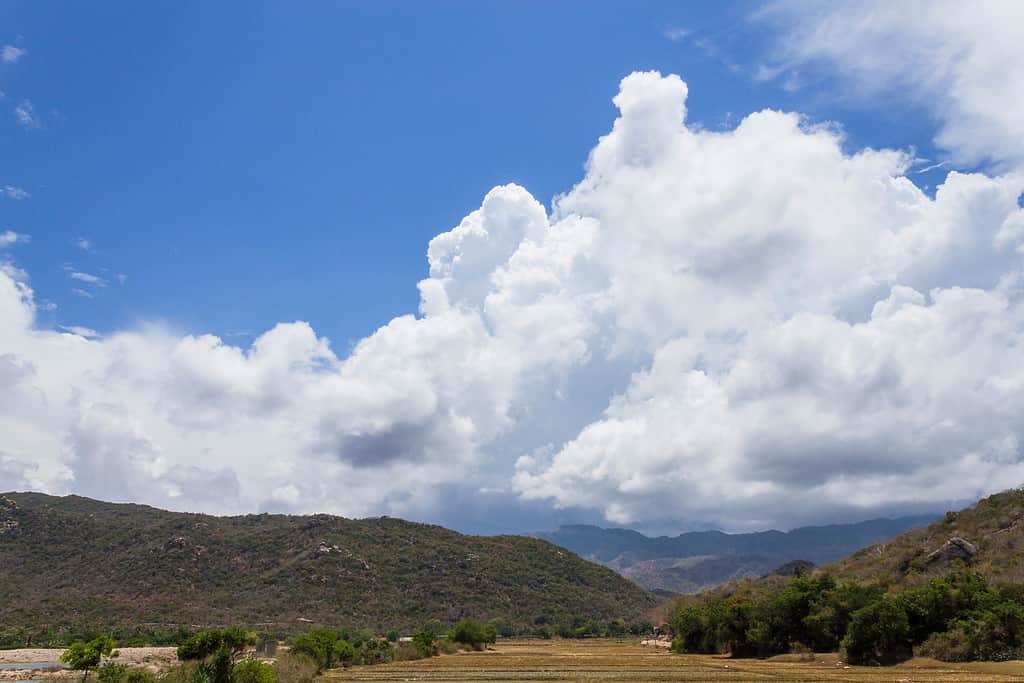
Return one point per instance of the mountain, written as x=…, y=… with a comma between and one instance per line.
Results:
x=693, y=562
x=72, y=562
x=987, y=537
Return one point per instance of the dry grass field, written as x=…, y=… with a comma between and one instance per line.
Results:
x=610, y=660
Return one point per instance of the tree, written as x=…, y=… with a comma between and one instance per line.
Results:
x=425, y=642
x=253, y=671
x=878, y=634
x=215, y=651
x=472, y=634
x=325, y=646
x=86, y=656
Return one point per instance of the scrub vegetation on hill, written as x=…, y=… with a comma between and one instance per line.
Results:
x=75, y=567
x=951, y=591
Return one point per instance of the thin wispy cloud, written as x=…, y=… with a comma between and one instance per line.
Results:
x=11, y=54
x=87, y=278
x=675, y=33
x=9, y=238
x=25, y=114
x=77, y=291
x=84, y=244
x=81, y=331
x=14, y=192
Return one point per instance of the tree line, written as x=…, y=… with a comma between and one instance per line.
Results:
x=959, y=617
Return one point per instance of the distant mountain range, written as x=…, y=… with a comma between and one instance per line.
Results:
x=76, y=565
x=696, y=561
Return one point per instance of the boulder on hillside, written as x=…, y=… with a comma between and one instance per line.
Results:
x=955, y=548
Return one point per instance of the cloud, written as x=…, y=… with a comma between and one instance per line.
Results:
x=84, y=244
x=708, y=327
x=86, y=332
x=675, y=33
x=78, y=291
x=962, y=62
x=87, y=278
x=25, y=114
x=9, y=238
x=11, y=54
x=12, y=192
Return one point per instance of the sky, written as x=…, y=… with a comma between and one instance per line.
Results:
x=502, y=266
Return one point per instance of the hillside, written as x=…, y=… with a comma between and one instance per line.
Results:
x=988, y=537
x=697, y=561
x=78, y=562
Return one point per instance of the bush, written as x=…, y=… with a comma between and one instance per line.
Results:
x=253, y=671
x=215, y=651
x=325, y=647
x=122, y=673
x=295, y=668
x=993, y=635
x=878, y=634
x=472, y=634
x=84, y=657
x=374, y=651
x=425, y=642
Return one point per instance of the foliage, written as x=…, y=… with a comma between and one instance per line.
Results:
x=878, y=634
x=958, y=617
x=85, y=656
x=472, y=634
x=374, y=651
x=253, y=671
x=215, y=651
x=425, y=642
x=325, y=647
x=122, y=673
x=269, y=570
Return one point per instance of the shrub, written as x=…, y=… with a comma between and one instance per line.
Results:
x=86, y=656
x=878, y=634
x=253, y=671
x=425, y=642
x=472, y=634
x=295, y=668
x=215, y=651
x=325, y=647
x=374, y=651
x=122, y=673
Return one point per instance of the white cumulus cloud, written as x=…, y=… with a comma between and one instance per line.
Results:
x=751, y=327
x=962, y=61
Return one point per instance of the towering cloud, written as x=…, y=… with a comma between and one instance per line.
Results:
x=709, y=326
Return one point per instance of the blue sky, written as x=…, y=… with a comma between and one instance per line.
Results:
x=504, y=265
x=249, y=163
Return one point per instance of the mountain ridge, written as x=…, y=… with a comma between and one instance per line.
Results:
x=71, y=562
x=698, y=560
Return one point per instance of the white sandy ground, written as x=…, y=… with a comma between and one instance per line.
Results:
x=152, y=657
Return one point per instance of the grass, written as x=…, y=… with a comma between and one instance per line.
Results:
x=626, y=660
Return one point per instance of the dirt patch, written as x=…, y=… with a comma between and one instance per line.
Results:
x=154, y=658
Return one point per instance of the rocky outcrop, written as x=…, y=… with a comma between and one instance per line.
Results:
x=955, y=548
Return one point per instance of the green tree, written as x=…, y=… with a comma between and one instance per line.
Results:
x=472, y=634
x=85, y=656
x=215, y=651
x=253, y=671
x=878, y=634
x=325, y=646
x=425, y=642
x=831, y=612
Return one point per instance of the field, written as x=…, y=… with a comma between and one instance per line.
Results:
x=610, y=660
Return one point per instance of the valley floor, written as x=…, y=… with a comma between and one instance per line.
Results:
x=612, y=660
